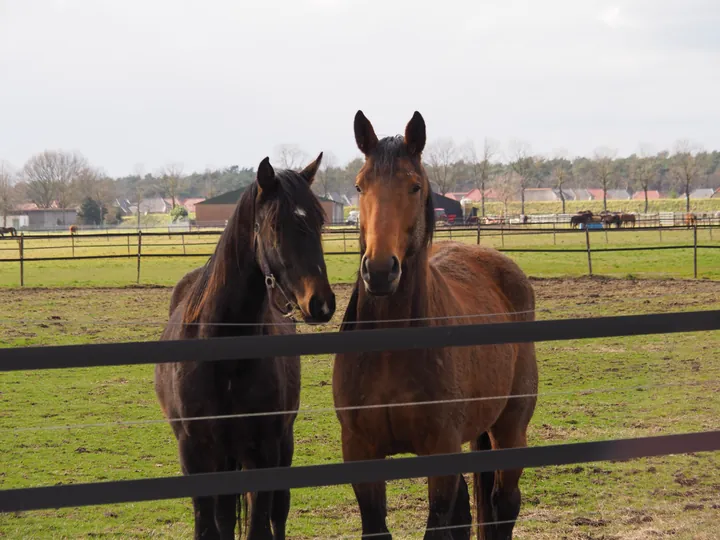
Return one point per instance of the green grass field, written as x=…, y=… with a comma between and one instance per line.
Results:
x=589, y=391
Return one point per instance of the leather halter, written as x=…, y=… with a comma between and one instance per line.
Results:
x=271, y=281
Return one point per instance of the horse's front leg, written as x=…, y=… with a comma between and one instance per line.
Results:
x=445, y=521
x=371, y=497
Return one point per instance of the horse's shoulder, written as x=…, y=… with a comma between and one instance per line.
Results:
x=182, y=287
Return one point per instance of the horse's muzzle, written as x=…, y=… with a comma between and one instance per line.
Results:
x=381, y=278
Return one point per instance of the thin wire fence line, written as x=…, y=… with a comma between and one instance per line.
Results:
x=405, y=531
x=327, y=410
x=140, y=322
x=112, y=322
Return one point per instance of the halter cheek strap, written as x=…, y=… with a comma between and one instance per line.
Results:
x=270, y=281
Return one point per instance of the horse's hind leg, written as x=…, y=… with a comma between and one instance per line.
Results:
x=483, y=488
x=506, y=497
x=462, y=518
x=281, y=499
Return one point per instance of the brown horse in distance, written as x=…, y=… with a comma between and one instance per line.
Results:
x=5, y=230
x=73, y=229
x=268, y=259
x=690, y=220
x=404, y=278
x=626, y=219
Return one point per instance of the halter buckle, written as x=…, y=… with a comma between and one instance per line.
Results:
x=270, y=281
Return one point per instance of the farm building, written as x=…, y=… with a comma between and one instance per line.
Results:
x=50, y=218
x=451, y=206
x=540, y=195
x=16, y=220
x=701, y=193
x=652, y=195
x=215, y=211
x=334, y=210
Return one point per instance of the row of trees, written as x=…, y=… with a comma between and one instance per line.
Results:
x=69, y=180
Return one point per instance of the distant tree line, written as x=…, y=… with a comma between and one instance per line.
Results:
x=67, y=179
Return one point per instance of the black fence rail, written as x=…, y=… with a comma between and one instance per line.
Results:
x=216, y=349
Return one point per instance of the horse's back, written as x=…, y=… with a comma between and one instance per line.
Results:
x=487, y=276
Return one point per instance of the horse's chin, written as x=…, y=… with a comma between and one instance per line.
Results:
x=381, y=293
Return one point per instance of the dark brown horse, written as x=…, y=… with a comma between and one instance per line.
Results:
x=73, y=229
x=5, y=230
x=627, y=219
x=404, y=278
x=580, y=218
x=268, y=259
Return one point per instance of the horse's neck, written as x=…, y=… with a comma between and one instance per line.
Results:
x=409, y=301
x=242, y=298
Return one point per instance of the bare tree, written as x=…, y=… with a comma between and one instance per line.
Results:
x=91, y=183
x=643, y=170
x=481, y=166
x=139, y=171
x=562, y=172
x=325, y=180
x=169, y=181
x=441, y=157
x=686, y=166
x=524, y=165
x=50, y=175
x=290, y=156
x=506, y=184
x=7, y=191
x=603, y=170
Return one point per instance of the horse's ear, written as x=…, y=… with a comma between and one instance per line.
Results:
x=266, y=176
x=311, y=170
x=415, y=135
x=364, y=134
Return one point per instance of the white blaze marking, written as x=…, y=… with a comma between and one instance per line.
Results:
x=300, y=212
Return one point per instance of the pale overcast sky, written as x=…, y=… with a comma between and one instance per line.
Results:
x=222, y=82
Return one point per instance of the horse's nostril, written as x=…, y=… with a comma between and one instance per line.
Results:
x=364, y=268
x=394, y=268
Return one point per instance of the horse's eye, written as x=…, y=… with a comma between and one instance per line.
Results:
x=416, y=188
x=358, y=188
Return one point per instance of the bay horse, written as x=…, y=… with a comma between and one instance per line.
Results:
x=73, y=229
x=5, y=230
x=268, y=261
x=404, y=280
x=625, y=219
x=690, y=220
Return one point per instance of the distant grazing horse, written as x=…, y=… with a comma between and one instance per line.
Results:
x=73, y=229
x=609, y=219
x=404, y=278
x=690, y=220
x=625, y=219
x=580, y=218
x=268, y=261
x=5, y=230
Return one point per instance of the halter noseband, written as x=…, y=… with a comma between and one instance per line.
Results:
x=271, y=281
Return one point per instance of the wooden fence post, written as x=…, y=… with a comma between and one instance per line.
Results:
x=502, y=232
x=478, y=233
x=21, y=246
x=587, y=242
x=344, y=242
x=695, y=249
x=72, y=241
x=554, y=238
x=139, y=255
x=128, y=242
x=183, y=243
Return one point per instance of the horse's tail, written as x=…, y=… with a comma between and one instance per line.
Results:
x=242, y=514
x=483, y=484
